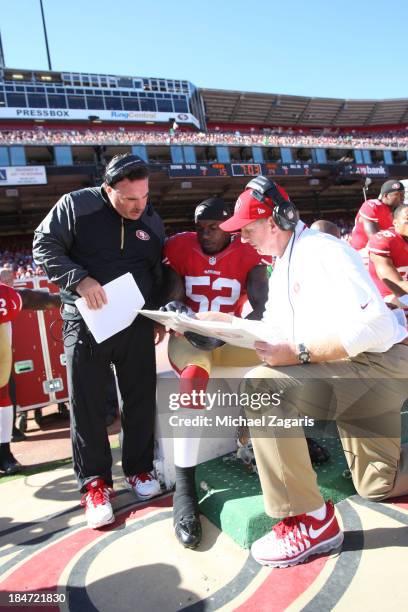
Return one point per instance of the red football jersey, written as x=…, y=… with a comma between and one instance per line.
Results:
x=212, y=282
x=10, y=303
x=389, y=244
x=371, y=210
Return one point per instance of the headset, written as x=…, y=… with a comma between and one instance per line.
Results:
x=284, y=212
x=116, y=170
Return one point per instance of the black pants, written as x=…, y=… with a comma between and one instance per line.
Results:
x=132, y=352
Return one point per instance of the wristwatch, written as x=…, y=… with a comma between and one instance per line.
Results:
x=303, y=354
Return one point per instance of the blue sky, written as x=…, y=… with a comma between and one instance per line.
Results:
x=348, y=49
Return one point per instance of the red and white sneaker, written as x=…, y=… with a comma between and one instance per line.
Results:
x=144, y=485
x=98, y=509
x=296, y=538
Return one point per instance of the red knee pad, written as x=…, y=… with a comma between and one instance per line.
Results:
x=193, y=381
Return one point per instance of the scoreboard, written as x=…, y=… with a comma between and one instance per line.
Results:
x=219, y=170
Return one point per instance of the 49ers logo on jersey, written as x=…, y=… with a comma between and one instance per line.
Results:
x=142, y=235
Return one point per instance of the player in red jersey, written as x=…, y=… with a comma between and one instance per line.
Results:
x=11, y=303
x=10, y=306
x=206, y=270
x=376, y=215
x=209, y=270
x=216, y=268
x=388, y=265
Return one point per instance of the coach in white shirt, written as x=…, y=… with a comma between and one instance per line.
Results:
x=332, y=350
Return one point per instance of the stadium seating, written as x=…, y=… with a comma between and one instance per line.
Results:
x=396, y=139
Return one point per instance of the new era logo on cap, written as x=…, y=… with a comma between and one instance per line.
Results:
x=247, y=208
x=391, y=186
x=238, y=205
x=251, y=206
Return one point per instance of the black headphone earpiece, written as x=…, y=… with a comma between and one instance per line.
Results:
x=284, y=212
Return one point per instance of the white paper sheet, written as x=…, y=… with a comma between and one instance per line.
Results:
x=124, y=299
x=241, y=332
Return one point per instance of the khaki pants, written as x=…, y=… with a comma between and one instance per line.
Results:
x=182, y=353
x=364, y=395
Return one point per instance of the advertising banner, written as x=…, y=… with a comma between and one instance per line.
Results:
x=22, y=175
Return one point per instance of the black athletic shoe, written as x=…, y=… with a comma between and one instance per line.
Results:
x=188, y=530
x=318, y=454
x=8, y=463
x=18, y=435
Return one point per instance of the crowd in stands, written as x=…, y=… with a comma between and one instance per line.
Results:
x=279, y=137
x=20, y=260
x=18, y=257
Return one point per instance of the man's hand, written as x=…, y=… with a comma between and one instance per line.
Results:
x=159, y=333
x=93, y=292
x=176, y=306
x=281, y=354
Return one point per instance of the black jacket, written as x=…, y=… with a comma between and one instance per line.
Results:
x=83, y=235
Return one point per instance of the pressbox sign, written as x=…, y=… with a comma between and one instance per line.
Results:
x=22, y=175
x=105, y=115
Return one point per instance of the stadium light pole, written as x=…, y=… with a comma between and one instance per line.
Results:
x=2, y=60
x=45, y=36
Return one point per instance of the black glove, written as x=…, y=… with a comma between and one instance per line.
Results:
x=204, y=343
x=175, y=306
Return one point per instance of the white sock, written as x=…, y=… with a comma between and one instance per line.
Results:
x=6, y=423
x=186, y=451
x=318, y=514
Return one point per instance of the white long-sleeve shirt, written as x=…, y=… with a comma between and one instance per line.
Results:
x=320, y=288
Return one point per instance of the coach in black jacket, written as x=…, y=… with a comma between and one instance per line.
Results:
x=89, y=238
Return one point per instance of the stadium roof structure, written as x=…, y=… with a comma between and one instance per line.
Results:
x=242, y=107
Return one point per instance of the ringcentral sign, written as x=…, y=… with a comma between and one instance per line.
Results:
x=85, y=115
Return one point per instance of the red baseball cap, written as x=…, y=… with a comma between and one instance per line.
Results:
x=250, y=206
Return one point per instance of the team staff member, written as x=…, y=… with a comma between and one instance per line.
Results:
x=375, y=215
x=89, y=238
x=330, y=323
x=11, y=303
x=209, y=270
x=388, y=252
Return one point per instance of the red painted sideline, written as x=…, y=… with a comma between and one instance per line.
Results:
x=42, y=571
x=283, y=586
x=401, y=502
